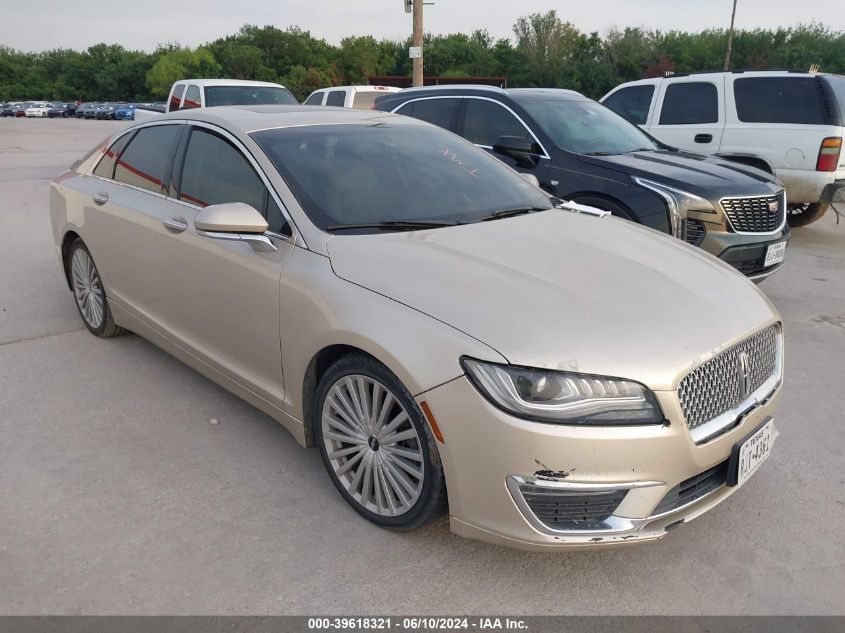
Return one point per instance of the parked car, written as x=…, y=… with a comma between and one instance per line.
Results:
x=444, y=327
x=38, y=109
x=788, y=124
x=60, y=109
x=362, y=97
x=87, y=111
x=125, y=112
x=21, y=108
x=7, y=109
x=207, y=93
x=105, y=111
x=583, y=152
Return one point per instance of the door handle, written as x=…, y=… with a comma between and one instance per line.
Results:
x=703, y=138
x=175, y=225
x=101, y=197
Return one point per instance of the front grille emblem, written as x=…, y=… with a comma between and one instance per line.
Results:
x=744, y=374
x=773, y=206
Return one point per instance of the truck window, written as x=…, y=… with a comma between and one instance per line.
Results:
x=690, y=103
x=778, y=100
x=176, y=97
x=632, y=103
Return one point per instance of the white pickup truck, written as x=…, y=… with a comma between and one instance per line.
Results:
x=206, y=93
x=789, y=124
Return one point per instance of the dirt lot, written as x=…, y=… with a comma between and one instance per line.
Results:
x=119, y=497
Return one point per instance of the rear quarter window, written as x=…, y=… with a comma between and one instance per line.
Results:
x=778, y=100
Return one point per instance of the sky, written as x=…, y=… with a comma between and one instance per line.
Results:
x=143, y=24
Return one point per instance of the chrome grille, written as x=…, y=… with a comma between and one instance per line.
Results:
x=715, y=387
x=762, y=214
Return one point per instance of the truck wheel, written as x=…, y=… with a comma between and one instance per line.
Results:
x=804, y=214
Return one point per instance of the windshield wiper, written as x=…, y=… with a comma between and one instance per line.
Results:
x=601, y=154
x=640, y=149
x=394, y=225
x=512, y=211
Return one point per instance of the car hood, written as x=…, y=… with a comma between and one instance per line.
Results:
x=707, y=177
x=565, y=291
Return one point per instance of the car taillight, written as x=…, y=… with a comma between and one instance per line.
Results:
x=829, y=154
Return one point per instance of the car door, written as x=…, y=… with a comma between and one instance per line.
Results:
x=127, y=192
x=690, y=114
x=482, y=121
x=219, y=299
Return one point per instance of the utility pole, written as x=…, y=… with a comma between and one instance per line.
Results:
x=730, y=40
x=418, y=42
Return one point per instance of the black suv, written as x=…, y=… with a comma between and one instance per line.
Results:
x=580, y=150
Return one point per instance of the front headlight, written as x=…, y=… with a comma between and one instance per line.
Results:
x=563, y=397
x=678, y=202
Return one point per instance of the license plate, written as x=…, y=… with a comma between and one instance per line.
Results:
x=747, y=455
x=775, y=253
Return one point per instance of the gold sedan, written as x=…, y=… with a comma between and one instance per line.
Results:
x=446, y=333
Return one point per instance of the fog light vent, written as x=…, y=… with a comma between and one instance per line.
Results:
x=560, y=509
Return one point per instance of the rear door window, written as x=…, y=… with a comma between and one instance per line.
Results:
x=176, y=97
x=215, y=172
x=485, y=121
x=632, y=103
x=778, y=100
x=690, y=103
x=146, y=160
x=336, y=98
x=439, y=112
x=315, y=98
x=192, y=97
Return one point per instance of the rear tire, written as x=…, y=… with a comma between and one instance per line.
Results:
x=89, y=292
x=803, y=214
x=377, y=446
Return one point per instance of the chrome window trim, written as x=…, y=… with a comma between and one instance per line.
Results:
x=545, y=154
x=295, y=238
x=775, y=232
x=727, y=420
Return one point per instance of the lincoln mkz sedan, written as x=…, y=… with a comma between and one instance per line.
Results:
x=446, y=333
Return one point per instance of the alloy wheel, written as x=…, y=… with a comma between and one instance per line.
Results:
x=87, y=288
x=372, y=445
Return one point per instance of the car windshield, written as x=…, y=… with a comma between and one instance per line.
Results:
x=247, y=95
x=388, y=172
x=586, y=127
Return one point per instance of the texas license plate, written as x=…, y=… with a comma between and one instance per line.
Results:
x=748, y=454
x=775, y=253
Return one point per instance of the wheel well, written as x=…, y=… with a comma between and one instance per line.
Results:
x=316, y=368
x=751, y=161
x=68, y=239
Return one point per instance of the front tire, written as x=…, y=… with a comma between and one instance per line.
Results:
x=89, y=293
x=377, y=446
x=803, y=214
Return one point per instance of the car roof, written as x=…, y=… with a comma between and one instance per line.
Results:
x=521, y=93
x=228, y=82
x=248, y=119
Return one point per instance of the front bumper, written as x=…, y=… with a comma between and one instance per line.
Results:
x=744, y=251
x=485, y=449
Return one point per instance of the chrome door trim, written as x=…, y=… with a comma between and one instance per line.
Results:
x=258, y=241
x=545, y=154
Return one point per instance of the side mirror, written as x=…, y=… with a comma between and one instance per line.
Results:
x=521, y=149
x=234, y=221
